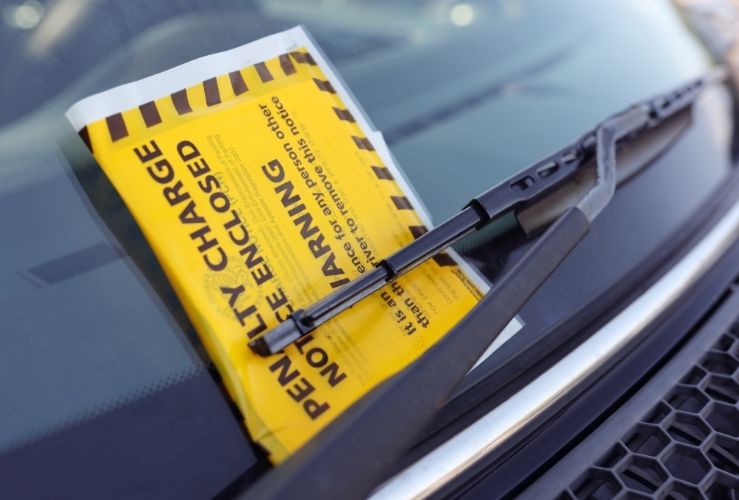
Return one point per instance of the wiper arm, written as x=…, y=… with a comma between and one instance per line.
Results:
x=517, y=193
x=352, y=454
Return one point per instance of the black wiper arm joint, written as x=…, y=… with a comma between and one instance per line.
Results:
x=608, y=134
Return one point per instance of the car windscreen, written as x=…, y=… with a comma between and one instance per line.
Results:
x=466, y=93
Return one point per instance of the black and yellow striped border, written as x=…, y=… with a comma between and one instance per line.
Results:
x=212, y=96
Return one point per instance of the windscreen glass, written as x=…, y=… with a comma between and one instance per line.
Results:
x=467, y=93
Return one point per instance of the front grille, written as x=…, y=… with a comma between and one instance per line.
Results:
x=687, y=446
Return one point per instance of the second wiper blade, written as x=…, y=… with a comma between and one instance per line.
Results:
x=514, y=194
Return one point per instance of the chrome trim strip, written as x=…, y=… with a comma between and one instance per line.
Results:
x=443, y=464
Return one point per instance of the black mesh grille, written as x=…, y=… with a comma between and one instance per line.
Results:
x=687, y=446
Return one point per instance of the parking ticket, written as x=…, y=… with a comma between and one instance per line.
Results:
x=261, y=188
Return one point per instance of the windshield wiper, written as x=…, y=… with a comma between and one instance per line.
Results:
x=516, y=194
x=352, y=454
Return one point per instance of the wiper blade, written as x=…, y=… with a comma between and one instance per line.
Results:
x=515, y=194
x=354, y=453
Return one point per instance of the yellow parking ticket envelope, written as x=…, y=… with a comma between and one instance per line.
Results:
x=261, y=188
